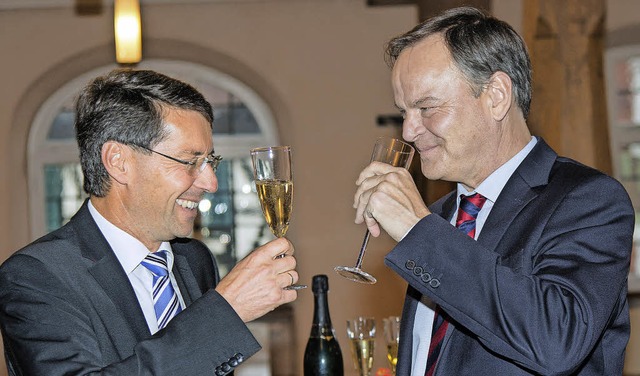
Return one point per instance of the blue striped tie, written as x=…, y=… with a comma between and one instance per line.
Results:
x=165, y=299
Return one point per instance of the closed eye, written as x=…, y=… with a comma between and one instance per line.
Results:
x=424, y=111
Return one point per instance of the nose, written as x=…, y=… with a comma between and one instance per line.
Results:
x=207, y=180
x=412, y=127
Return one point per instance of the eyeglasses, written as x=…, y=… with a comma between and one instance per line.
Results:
x=194, y=166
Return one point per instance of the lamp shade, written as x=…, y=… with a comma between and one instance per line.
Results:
x=128, y=31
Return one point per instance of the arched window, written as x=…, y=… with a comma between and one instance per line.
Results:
x=230, y=221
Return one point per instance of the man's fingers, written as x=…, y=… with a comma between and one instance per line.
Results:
x=374, y=168
x=278, y=248
x=290, y=278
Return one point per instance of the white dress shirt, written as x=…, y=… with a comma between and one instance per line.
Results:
x=130, y=252
x=489, y=188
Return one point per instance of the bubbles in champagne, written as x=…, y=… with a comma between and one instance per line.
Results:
x=276, y=197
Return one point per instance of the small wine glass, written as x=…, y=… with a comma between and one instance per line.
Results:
x=392, y=337
x=362, y=333
x=398, y=154
x=274, y=184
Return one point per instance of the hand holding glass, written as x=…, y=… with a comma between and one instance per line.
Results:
x=274, y=183
x=362, y=333
x=398, y=154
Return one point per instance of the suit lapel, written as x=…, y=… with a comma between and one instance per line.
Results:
x=533, y=172
x=445, y=207
x=108, y=273
x=186, y=281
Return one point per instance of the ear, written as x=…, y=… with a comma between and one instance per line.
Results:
x=499, y=95
x=115, y=159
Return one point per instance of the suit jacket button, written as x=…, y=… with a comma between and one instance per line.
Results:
x=417, y=270
x=410, y=264
x=434, y=283
x=226, y=367
x=239, y=357
x=233, y=361
x=219, y=371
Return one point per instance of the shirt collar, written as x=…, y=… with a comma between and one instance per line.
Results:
x=129, y=250
x=494, y=183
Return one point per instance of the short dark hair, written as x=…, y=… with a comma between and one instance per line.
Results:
x=127, y=106
x=480, y=45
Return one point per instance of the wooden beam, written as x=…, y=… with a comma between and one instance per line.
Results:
x=566, y=43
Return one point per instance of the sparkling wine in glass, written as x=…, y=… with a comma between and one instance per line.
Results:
x=398, y=154
x=362, y=334
x=392, y=337
x=274, y=184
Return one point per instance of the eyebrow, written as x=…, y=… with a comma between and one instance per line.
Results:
x=198, y=152
x=422, y=100
x=417, y=102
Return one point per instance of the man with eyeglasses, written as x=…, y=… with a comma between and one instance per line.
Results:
x=122, y=289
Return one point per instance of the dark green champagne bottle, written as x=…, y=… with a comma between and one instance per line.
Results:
x=322, y=357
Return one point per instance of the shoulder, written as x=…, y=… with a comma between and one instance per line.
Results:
x=57, y=245
x=544, y=169
x=587, y=192
x=570, y=172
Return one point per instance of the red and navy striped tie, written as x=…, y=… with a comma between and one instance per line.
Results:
x=165, y=299
x=467, y=213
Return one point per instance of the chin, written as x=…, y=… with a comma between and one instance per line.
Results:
x=183, y=230
x=428, y=171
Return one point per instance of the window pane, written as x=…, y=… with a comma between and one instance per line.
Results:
x=234, y=119
x=230, y=220
x=63, y=193
x=231, y=115
x=627, y=95
x=62, y=127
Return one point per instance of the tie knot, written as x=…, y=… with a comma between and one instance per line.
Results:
x=473, y=203
x=156, y=263
x=468, y=212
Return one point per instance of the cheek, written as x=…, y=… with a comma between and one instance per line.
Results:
x=170, y=186
x=444, y=127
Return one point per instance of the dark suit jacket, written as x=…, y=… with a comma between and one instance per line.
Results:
x=67, y=308
x=544, y=288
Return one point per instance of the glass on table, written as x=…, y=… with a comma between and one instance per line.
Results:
x=392, y=337
x=362, y=335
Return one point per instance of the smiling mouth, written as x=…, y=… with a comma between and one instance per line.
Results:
x=187, y=204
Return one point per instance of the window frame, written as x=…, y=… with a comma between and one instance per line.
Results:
x=622, y=134
x=42, y=151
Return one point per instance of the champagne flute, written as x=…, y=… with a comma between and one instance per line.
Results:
x=274, y=183
x=392, y=337
x=398, y=154
x=362, y=333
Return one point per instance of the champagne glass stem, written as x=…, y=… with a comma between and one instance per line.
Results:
x=397, y=153
x=363, y=249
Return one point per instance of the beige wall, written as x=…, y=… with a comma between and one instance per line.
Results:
x=317, y=63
